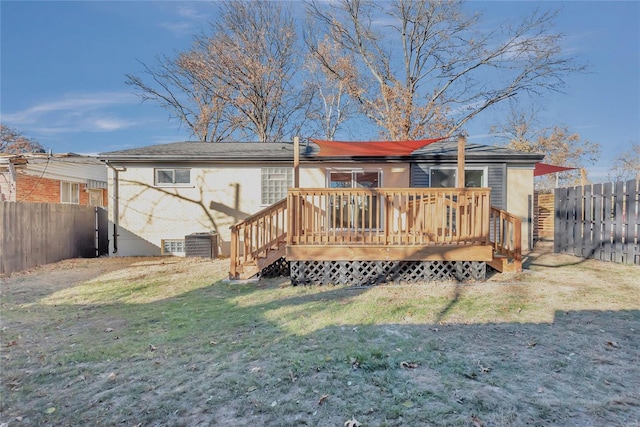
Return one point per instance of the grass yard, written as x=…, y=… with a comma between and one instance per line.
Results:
x=157, y=341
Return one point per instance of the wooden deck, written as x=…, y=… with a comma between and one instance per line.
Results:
x=408, y=224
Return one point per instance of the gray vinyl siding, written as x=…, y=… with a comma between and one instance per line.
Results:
x=496, y=179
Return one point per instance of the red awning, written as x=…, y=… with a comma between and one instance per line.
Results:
x=370, y=148
x=544, y=169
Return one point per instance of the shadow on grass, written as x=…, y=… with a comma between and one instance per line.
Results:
x=218, y=354
x=545, y=249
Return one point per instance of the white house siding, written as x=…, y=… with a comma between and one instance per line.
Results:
x=218, y=197
x=519, y=192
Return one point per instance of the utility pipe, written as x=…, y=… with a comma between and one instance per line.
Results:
x=116, y=210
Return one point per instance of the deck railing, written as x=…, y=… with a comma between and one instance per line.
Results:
x=506, y=234
x=388, y=216
x=256, y=235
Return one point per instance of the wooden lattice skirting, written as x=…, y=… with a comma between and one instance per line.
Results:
x=280, y=268
x=361, y=273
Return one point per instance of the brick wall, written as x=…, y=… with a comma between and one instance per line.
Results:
x=35, y=189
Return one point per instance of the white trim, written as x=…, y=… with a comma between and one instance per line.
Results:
x=171, y=184
x=71, y=185
x=177, y=253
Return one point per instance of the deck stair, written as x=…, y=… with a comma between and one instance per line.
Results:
x=258, y=241
x=506, y=239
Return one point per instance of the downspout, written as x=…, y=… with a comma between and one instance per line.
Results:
x=116, y=210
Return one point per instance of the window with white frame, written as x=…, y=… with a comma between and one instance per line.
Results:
x=172, y=177
x=173, y=247
x=446, y=177
x=70, y=192
x=275, y=183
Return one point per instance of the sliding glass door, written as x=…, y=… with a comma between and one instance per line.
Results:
x=355, y=211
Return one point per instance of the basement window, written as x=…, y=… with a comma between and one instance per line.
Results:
x=173, y=247
x=173, y=177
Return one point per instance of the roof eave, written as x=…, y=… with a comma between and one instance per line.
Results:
x=191, y=159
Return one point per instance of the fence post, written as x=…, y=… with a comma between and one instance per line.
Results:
x=619, y=210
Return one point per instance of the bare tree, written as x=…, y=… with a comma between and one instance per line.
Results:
x=330, y=105
x=626, y=165
x=252, y=52
x=13, y=141
x=177, y=85
x=236, y=79
x=424, y=68
x=522, y=132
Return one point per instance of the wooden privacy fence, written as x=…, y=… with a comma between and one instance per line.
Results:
x=33, y=234
x=600, y=221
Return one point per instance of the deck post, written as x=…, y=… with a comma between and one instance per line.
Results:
x=296, y=162
x=233, y=273
x=461, y=145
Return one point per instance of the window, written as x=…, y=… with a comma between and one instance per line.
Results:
x=275, y=182
x=173, y=177
x=95, y=197
x=354, y=179
x=446, y=177
x=70, y=192
x=173, y=247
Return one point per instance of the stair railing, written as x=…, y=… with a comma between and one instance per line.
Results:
x=506, y=234
x=256, y=235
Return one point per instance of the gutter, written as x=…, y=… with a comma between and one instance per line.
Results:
x=116, y=207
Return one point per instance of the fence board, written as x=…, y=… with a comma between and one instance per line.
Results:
x=631, y=203
x=587, y=223
x=559, y=222
x=618, y=224
x=40, y=233
x=607, y=213
x=597, y=221
x=600, y=221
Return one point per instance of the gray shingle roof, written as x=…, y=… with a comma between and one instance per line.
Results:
x=449, y=150
x=202, y=151
x=242, y=152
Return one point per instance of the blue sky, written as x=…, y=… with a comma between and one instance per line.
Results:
x=63, y=67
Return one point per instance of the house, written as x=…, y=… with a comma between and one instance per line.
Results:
x=53, y=178
x=398, y=205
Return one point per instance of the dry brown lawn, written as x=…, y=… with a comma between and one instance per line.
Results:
x=163, y=341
